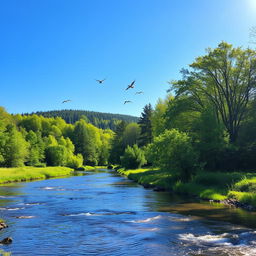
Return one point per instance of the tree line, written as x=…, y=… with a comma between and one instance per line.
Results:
x=38, y=141
x=98, y=119
x=206, y=122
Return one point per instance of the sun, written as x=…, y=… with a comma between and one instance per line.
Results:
x=252, y=4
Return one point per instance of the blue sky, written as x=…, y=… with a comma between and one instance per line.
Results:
x=52, y=50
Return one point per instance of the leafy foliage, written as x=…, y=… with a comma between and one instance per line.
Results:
x=98, y=119
x=173, y=151
x=133, y=157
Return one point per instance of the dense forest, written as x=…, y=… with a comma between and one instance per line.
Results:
x=35, y=140
x=98, y=119
x=206, y=122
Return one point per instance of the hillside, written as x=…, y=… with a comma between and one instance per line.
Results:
x=99, y=119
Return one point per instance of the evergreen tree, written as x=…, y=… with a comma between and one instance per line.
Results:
x=117, y=145
x=145, y=126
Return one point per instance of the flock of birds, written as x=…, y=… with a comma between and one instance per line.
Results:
x=130, y=86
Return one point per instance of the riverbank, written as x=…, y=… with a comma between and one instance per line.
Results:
x=28, y=173
x=235, y=189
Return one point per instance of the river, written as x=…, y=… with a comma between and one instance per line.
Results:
x=102, y=213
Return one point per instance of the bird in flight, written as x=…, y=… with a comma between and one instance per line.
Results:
x=65, y=101
x=139, y=92
x=100, y=81
x=131, y=85
x=127, y=101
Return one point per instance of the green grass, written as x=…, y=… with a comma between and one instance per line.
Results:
x=246, y=185
x=151, y=177
x=243, y=197
x=204, y=185
x=93, y=168
x=32, y=173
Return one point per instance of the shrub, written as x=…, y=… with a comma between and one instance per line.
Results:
x=133, y=157
x=75, y=161
x=56, y=155
x=173, y=151
x=40, y=165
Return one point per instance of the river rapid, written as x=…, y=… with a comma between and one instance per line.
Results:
x=102, y=213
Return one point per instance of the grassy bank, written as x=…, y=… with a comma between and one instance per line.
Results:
x=205, y=185
x=32, y=173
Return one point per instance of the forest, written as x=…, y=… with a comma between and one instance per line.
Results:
x=98, y=119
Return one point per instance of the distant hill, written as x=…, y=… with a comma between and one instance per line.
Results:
x=101, y=120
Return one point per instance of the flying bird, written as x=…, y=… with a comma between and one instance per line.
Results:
x=127, y=101
x=139, y=92
x=65, y=101
x=100, y=81
x=131, y=85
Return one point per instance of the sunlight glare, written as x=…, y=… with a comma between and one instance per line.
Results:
x=252, y=4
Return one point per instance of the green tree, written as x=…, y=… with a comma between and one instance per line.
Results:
x=173, y=151
x=36, y=148
x=133, y=157
x=14, y=147
x=104, y=152
x=85, y=142
x=158, y=117
x=117, y=145
x=131, y=134
x=225, y=77
x=145, y=126
x=56, y=155
x=31, y=123
x=209, y=138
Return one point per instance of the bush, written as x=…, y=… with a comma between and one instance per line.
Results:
x=75, y=161
x=133, y=158
x=40, y=165
x=173, y=151
x=56, y=155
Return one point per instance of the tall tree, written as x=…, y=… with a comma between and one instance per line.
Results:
x=117, y=145
x=14, y=147
x=85, y=142
x=226, y=77
x=131, y=134
x=145, y=126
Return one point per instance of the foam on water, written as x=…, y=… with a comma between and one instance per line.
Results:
x=231, y=244
x=11, y=209
x=147, y=220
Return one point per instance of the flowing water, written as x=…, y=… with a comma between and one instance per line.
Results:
x=104, y=214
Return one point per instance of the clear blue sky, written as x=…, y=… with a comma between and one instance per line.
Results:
x=52, y=50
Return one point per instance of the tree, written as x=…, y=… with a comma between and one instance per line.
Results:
x=133, y=157
x=117, y=145
x=104, y=152
x=145, y=126
x=56, y=155
x=158, y=117
x=84, y=139
x=31, y=123
x=14, y=147
x=36, y=148
x=173, y=151
x=131, y=134
x=209, y=138
x=5, y=119
x=226, y=77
